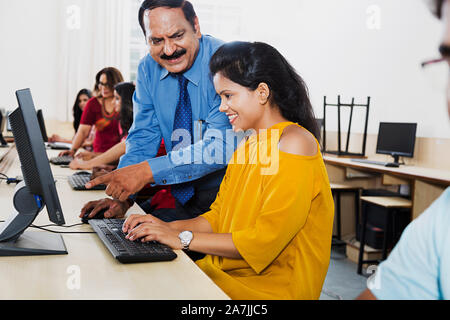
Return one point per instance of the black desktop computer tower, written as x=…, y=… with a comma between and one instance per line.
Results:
x=376, y=220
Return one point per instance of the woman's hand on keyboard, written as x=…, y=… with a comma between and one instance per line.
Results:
x=67, y=153
x=78, y=164
x=148, y=228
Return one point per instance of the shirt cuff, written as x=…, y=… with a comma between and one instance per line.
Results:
x=162, y=171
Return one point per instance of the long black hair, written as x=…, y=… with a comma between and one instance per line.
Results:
x=250, y=64
x=126, y=90
x=113, y=75
x=77, y=112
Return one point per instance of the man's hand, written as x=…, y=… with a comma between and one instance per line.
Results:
x=117, y=209
x=123, y=183
x=148, y=228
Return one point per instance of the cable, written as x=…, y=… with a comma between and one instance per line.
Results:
x=8, y=179
x=61, y=232
x=55, y=225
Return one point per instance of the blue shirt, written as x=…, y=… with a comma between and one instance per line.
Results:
x=418, y=267
x=155, y=100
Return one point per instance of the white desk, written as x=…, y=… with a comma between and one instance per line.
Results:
x=426, y=184
x=90, y=264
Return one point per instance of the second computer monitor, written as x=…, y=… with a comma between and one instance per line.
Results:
x=397, y=139
x=41, y=121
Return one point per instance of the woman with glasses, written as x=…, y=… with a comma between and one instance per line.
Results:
x=100, y=112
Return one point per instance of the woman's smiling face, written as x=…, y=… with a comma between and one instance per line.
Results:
x=241, y=105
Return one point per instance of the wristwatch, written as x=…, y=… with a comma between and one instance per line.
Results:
x=186, y=238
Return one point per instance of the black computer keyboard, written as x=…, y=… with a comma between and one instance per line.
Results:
x=126, y=251
x=78, y=182
x=379, y=163
x=57, y=146
x=61, y=161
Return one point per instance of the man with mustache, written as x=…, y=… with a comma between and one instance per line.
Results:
x=175, y=100
x=417, y=268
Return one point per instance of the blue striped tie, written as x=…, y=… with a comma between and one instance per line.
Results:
x=183, y=120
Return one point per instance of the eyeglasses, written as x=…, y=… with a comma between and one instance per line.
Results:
x=445, y=56
x=435, y=72
x=431, y=62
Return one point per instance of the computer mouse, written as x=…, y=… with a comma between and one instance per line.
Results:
x=82, y=173
x=99, y=215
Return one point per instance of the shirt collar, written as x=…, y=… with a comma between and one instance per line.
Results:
x=193, y=74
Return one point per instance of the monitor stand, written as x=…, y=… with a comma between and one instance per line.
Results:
x=34, y=244
x=15, y=241
x=396, y=162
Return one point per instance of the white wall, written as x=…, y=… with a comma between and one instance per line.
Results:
x=327, y=41
x=43, y=46
x=29, y=43
x=332, y=47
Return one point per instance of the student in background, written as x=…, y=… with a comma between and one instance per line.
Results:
x=100, y=112
x=151, y=198
x=80, y=103
x=123, y=95
x=268, y=234
x=417, y=267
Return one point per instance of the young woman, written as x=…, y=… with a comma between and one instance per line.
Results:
x=100, y=112
x=81, y=100
x=123, y=95
x=268, y=234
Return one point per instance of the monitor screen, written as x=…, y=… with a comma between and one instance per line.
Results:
x=41, y=121
x=33, y=157
x=397, y=139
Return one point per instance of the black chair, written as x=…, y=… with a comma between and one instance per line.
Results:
x=337, y=190
x=392, y=206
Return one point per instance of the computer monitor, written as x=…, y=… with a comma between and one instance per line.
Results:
x=41, y=121
x=35, y=192
x=397, y=139
x=3, y=120
x=8, y=124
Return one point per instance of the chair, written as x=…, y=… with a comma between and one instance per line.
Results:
x=337, y=190
x=339, y=106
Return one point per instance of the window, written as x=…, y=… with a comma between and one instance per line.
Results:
x=138, y=47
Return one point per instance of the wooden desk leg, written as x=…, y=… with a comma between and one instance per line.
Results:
x=357, y=209
x=338, y=211
x=362, y=240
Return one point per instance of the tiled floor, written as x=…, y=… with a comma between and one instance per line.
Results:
x=342, y=281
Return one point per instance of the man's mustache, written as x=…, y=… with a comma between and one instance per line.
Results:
x=176, y=55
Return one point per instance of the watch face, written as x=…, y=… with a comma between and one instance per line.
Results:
x=186, y=235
